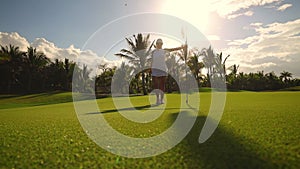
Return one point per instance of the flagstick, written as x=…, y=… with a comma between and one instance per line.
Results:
x=185, y=53
x=187, y=96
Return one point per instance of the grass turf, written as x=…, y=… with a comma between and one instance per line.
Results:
x=296, y=88
x=13, y=101
x=257, y=130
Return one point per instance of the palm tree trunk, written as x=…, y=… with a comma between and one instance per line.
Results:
x=144, y=84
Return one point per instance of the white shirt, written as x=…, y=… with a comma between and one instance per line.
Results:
x=158, y=59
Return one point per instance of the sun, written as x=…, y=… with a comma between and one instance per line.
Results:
x=193, y=11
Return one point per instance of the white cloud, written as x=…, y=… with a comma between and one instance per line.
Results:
x=284, y=7
x=53, y=52
x=248, y=13
x=257, y=24
x=230, y=8
x=254, y=68
x=274, y=47
x=253, y=25
x=15, y=39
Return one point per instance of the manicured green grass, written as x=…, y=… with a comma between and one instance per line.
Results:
x=257, y=130
x=205, y=89
x=296, y=88
x=14, y=101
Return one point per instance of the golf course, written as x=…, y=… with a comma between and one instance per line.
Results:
x=257, y=130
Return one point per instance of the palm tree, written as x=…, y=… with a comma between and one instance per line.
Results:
x=5, y=72
x=242, y=80
x=137, y=54
x=55, y=75
x=4, y=56
x=232, y=77
x=285, y=76
x=196, y=66
x=173, y=66
x=11, y=59
x=68, y=73
x=121, y=79
x=273, y=82
x=234, y=69
x=215, y=65
x=208, y=60
x=103, y=81
x=81, y=81
x=223, y=64
x=35, y=62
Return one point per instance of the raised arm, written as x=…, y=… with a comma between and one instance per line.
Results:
x=174, y=49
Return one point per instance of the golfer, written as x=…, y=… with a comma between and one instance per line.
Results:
x=159, y=69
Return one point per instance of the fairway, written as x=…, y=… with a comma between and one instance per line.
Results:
x=257, y=130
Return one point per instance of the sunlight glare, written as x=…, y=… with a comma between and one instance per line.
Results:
x=193, y=11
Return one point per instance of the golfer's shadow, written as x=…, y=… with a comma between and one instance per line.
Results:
x=222, y=150
x=122, y=109
x=144, y=107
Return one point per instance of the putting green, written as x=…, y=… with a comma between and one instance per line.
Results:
x=257, y=130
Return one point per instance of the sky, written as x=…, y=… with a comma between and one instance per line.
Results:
x=257, y=34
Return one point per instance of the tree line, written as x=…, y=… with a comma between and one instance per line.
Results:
x=205, y=66
x=32, y=71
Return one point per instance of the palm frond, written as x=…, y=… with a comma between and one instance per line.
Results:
x=128, y=52
x=226, y=59
x=149, y=49
x=124, y=56
x=131, y=44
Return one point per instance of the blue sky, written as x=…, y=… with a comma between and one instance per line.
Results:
x=235, y=27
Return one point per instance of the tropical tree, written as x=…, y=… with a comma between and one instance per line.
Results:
x=208, y=59
x=215, y=65
x=11, y=66
x=234, y=70
x=55, y=75
x=59, y=74
x=220, y=64
x=69, y=67
x=174, y=67
x=231, y=77
x=103, y=80
x=138, y=55
x=81, y=79
x=273, y=82
x=196, y=66
x=242, y=81
x=35, y=63
x=285, y=76
x=121, y=79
